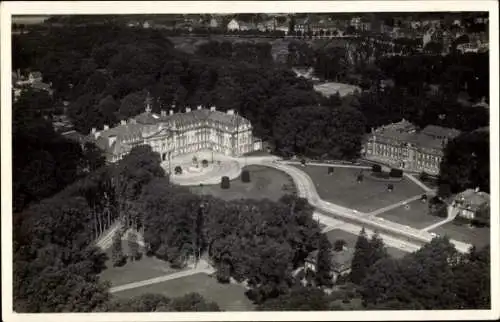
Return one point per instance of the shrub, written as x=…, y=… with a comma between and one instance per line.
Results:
x=423, y=176
x=339, y=245
x=178, y=170
x=360, y=177
x=224, y=183
x=376, y=168
x=303, y=162
x=390, y=187
x=204, y=163
x=396, y=173
x=245, y=176
x=330, y=170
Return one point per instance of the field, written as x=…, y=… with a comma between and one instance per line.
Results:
x=342, y=188
x=229, y=297
x=146, y=268
x=350, y=239
x=477, y=236
x=417, y=216
x=265, y=182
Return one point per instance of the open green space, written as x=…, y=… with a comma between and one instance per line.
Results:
x=342, y=188
x=134, y=271
x=229, y=297
x=416, y=215
x=462, y=232
x=265, y=182
x=351, y=239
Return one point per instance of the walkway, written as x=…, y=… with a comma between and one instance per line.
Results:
x=452, y=214
x=202, y=268
x=419, y=183
x=394, y=206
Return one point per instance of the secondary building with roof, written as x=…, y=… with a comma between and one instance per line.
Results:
x=403, y=145
x=175, y=134
x=341, y=262
x=469, y=203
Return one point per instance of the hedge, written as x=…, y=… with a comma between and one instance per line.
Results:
x=224, y=183
x=376, y=168
x=396, y=173
x=245, y=176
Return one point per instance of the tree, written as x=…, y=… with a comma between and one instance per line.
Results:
x=360, y=259
x=330, y=170
x=339, y=245
x=225, y=183
x=297, y=299
x=204, y=163
x=178, y=170
x=245, y=176
x=466, y=163
x=324, y=266
x=118, y=257
x=133, y=246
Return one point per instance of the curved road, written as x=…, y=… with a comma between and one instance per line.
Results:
x=306, y=188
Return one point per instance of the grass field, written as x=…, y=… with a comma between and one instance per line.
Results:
x=265, y=182
x=417, y=216
x=229, y=297
x=145, y=268
x=477, y=236
x=350, y=239
x=342, y=188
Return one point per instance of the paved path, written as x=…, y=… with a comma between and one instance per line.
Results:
x=394, y=206
x=452, y=214
x=334, y=165
x=202, y=268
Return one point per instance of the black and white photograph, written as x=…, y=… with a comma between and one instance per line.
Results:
x=322, y=160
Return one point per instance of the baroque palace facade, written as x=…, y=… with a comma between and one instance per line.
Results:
x=175, y=134
x=403, y=145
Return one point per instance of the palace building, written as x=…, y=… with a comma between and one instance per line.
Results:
x=402, y=145
x=175, y=134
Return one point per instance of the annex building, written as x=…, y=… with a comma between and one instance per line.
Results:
x=403, y=145
x=175, y=134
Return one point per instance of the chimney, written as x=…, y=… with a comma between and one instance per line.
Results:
x=199, y=107
x=171, y=112
x=123, y=122
x=230, y=112
x=188, y=109
x=163, y=113
x=212, y=109
x=106, y=127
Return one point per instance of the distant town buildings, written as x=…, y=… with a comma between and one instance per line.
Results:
x=403, y=145
x=174, y=134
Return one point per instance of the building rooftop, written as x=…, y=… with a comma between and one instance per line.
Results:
x=342, y=260
x=472, y=199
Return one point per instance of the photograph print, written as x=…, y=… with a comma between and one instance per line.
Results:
x=243, y=162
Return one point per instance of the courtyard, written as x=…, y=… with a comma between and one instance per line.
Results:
x=229, y=297
x=416, y=215
x=342, y=188
x=265, y=182
x=351, y=239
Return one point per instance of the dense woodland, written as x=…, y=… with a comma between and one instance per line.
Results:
x=64, y=196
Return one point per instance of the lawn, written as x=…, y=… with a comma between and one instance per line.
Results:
x=229, y=297
x=343, y=189
x=459, y=231
x=145, y=268
x=417, y=216
x=351, y=239
x=265, y=182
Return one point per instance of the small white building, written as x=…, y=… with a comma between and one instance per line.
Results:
x=233, y=25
